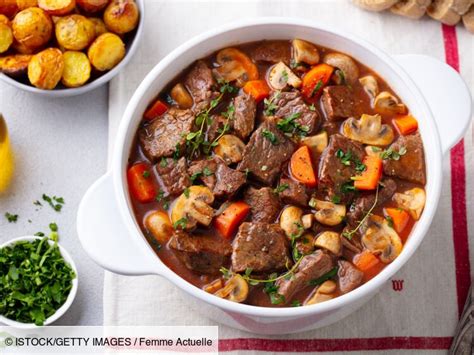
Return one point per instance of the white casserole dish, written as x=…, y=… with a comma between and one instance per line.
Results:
x=106, y=224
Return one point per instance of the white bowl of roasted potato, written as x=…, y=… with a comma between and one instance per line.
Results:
x=61, y=48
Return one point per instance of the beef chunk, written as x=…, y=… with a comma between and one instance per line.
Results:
x=204, y=170
x=295, y=194
x=174, y=175
x=261, y=247
x=264, y=204
x=338, y=102
x=411, y=165
x=203, y=254
x=200, y=83
x=272, y=52
x=244, y=115
x=310, y=268
x=349, y=276
x=264, y=159
x=160, y=138
x=363, y=204
x=333, y=174
x=291, y=103
x=228, y=181
x=217, y=125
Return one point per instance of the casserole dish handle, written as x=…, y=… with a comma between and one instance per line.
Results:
x=105, y=237
x=446, y=93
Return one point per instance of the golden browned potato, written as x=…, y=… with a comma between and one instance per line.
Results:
x=92, y=6
x=8, y=8
x=24, y=4
x=32, y=27
x=99, y=26
x=6, y=37
x=46, y=68
x=21, y=48
x=121, y=16
x=14, y=65
x=75, y=32
x=4, y=20
x=57, y=7
x=77, y=69
x=106, y=51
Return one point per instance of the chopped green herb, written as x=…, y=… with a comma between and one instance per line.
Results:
x=281, y=188
x=336, y=199
x=180, y=223
x=11, y=218
x=195, y=176
x=270, y=136
x=166, y=204
x=390, y=221
x=227, y=87
x=226, y=272
x=37, y=203
x=289, y=126
x=348, y=187
x=329, y=275
x=376, y=149
x=207, y=172
x=342, y=77
x=248, y=271
x=316, y=88
x=163, y=162
x=39, y=234
x=146, y=174
x=392, y=154
x=270, y=105
x=186, y=192
x=296, y=303
x=345, y=158
x=312, y=107
x=159, y=196
x=271, y=289
x=55, y=202
x=284, y=76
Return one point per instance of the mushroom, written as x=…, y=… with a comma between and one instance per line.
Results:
x=411, y=200
x=381, y=239
x=230, y=148
x=290, y=221
x=304, y=52
x=182, y=97
x=316, y=143
x=234, y=65
x=368, y=130
x=281, y=76
x=236, y=289
x=307, y=221
x=370, y=85
x=304, y=245
x=386, y=103
x=323, y=293
x=330, y=241
x=214, y=286
x=159, y=225
x=329, y=213
x=192, y=207
x=345, y=64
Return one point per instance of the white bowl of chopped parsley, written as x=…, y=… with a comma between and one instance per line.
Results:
x=38, y=281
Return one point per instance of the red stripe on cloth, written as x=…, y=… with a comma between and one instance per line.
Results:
x=458, y=189
x=354, y=344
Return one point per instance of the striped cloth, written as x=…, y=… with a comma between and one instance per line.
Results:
x=418, y=310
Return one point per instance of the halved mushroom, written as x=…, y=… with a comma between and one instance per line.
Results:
x=381, y=239
x=192, y=207
x=159, y=225
x=386, y=103
x=330, y=241
x=281, y=76
x=235, y=66
x=368, y=130
x=370, y=85
x=290, y=221
x=236, y=289
x=304, y=52
x=230, y=148
x=316, y=143
x=307, y=221
x=182, y=97
x=329, y=213
x=323, y=293
x=411, y=200
x=345, y=64
x=214, y=286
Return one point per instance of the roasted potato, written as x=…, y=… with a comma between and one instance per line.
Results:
x=8, y=8
x=57, y=7
x=99, y=26
x=4, y=20
x=21, y=48
x=46, y=68
x=25, y=4
x=121, y=16
x=75, y=32
x=92, y=6
x=106, y=51
x=6, y=37
x=15, y=65
x=77, y=69
x=32, y=27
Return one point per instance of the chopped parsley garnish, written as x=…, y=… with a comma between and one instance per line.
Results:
x=270, y=105
x=180, y=223
x=336, y=199
x=347, y=158
x=342, y=77
x=195, y=176
x=316, y=88
x=284, y=76
x=392, y=154
x=227, y=87
x=389, y=221
x=329, y=275
x=270, y=136
x=312, y=107
x=146, y=174
x=186, y=192
x=348, y=187
x=55, y=202
x=271, y=289
x=11, y=218
x=296, y=303
x=207, y=172
x=289, y=126
x=281, y=188
x=163, y=162
x=159, y=196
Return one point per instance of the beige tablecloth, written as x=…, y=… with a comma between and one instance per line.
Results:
x=423, y=315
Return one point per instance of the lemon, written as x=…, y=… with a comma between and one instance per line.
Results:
x=6, y=157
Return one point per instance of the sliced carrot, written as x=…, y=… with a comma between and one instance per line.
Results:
x=301, y=167
x=399, y=217
x=370, y=177
x=157, y=109
x=365, y=261
x=406, y=124
x=228, y=221
x=315, y=80
x=258, y=89
x=141, y=183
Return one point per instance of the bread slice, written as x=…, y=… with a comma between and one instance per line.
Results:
x=413, y=9
x=375, y=5
x=442, y=10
